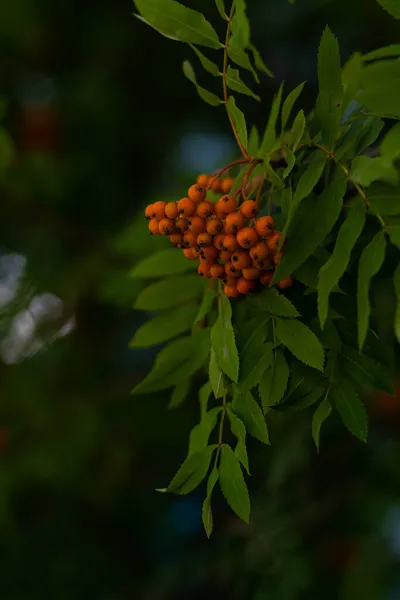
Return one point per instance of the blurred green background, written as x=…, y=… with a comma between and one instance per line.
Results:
x=103, y=123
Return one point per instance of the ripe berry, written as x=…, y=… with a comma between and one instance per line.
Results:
x=216, y=185
x=227, y=204
x=247, y=237
x=197, y=193
x=186, y=207
x=189, y=254
x=176, y=239
x=232, y=271
x=231, y=292
x=148, y=211
x=204, y=270
x=273, y=241
x=260, y=251
x=230, y=243
x=189, y=239
x=154, y=227
x=251, y=273
x=283, y=284
x=245, y=286
x=230, y=281
x=159, y=210
x=226, y=185
x=266, y=277
x=167, y=226
x=197, y=224
x=204, y=239
x=205, y=209
x=262, y=264
x=225, y=256
x=182, y=224
x=214, y=226
x=171, y=210
x=234, y=222
x=208, y=255
x=219, y=241
x=249, y=209
x=203, y=180
x=219, y=213
x=217, y=271
x=241, y=259
x=265, y=226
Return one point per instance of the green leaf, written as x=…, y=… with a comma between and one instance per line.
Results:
x=390, y=146
x=270, y=137
x=235, y=83
x=177, y=22
x=309, y=399
x=239, y=430
x=384, y=199
x=396, y=281
x=204, y=94
x=314, y=220
x=191, y=473
x=258, y=61
x=247, y=409
x=169, y=292
x=301, y=342
x=233, y=485
x=163, y=263
x=334, y=268
x=291, y=161
x=164, y=327
x=204, y=396
x=238, y=119
x=242, y=59
x=330, y=99
x=393, y=229
x=255, y=362
x=271, y=301
x=223, y=341
x=289, y=103
x=221, y=9
x=350, y=408
x=321, y=414
x=392, y=7
x=274, y=382
x=179, y=393
x=271, y=175
x=200, y=434
x=207, y=64
x=206, y=513
x=385, y=52
x=216, y=376
x=373, y=127
x=254, y=141
x=365, y=170
x=380, y=84
x=351, y=138
x=206, y=305
x=367, y=371
x=298, y=127
x=240, y=36
x=306, y=184
x=370, y=263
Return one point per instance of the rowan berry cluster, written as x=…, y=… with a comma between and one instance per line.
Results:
x=231, y=241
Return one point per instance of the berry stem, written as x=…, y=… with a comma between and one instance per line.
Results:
x=240, y=161
x=242, y=188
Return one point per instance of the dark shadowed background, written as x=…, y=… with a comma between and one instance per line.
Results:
x=103, y=123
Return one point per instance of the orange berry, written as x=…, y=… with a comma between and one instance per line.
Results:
x=205, y=209
x=189, y=239
x=197, y=224
x=226, y=185
x=216, y=185
x=171, y=210
x=154, y=227
x=167, y=226
x=273, y=241
x=225, y=256
x=262, y=264
x=214, y=226
x=234, y=222
x=231, y=292
x=186, y=207
x=251, y=273
x=148, y=213
x=230, y=243
x=159, y=210
x=245, y=286
x=266, y=277
x=283, y=284
x=217, y=271
x=227, y=204
x=232, y=271
x=265, y=226
x=219, y=241
x=208, y=255
x=197, y=193
x=182, y=224
x=203, y=180
x=204, y=270
x=249, y=209
x=241, y=259
x=204, y=239
x=188, y=252
x=231, y=281
x=176, y=239
x=247, y=237
x=260, y=251
x=219, y=213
